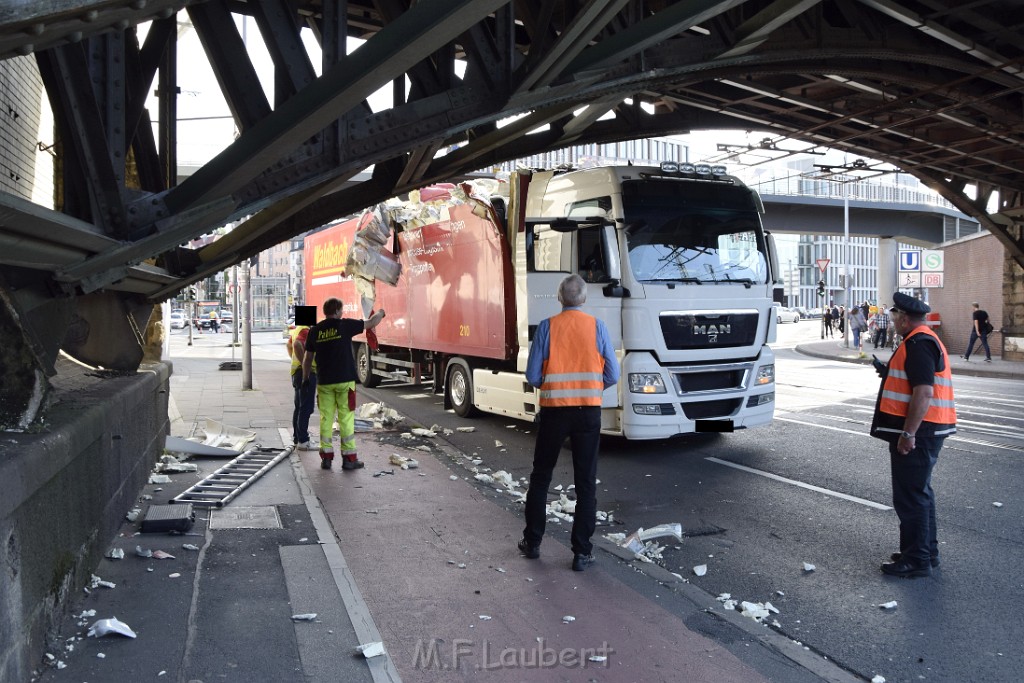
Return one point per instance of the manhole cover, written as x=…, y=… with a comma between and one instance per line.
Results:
x=245, y=518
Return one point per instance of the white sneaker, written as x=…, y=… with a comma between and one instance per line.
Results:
x=308, y=446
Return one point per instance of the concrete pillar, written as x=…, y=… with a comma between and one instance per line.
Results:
x=887, y=268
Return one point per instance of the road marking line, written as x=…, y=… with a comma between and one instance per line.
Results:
x=815, y=424
x=794, y=482
x=956, y=438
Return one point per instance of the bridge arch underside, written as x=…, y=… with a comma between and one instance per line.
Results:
x=931, y=87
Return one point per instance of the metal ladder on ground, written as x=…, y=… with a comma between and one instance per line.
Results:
x=219, y=488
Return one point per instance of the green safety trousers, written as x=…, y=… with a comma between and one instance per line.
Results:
x=337, y=401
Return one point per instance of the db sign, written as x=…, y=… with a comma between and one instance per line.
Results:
x=931, y=279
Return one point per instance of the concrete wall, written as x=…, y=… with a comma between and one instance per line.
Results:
x=974, y=271
x=64, y=491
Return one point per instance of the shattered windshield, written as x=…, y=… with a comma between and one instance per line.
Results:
x=678, y=231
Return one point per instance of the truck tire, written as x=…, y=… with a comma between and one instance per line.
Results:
x=459, y=388
x=364, y=368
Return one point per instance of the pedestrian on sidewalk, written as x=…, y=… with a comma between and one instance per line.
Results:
x=915, y=413
x=881, y=323
x=305, y=392
x=571, y=362
x=214, y=322
x=329, y=344
x=858, y=325
x=827, y=316
x=981, y=327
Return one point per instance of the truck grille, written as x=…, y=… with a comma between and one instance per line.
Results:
x=711, y=380
x=709, y=330
x=708, y=409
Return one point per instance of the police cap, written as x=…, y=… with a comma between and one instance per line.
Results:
x=909, y=305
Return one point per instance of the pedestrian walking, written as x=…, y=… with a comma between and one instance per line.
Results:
x=329, y=344
x=841, y=318
x=571, y=362
x=827, y=315
x=915, y=412
x=981, y=327
x=881, y=327
x=305, y=392
x=858, y=325
x=214, y=322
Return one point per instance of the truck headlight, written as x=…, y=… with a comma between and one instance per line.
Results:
x=765, y=375
x=646, y=383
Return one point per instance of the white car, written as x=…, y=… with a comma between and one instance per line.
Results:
x=177, y=320
x=786, y=315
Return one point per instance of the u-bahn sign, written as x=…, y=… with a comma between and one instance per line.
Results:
x=921, y=268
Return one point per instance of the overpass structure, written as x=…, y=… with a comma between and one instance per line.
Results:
x=933, y=87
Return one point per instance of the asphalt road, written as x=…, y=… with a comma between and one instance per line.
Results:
x=816, y=490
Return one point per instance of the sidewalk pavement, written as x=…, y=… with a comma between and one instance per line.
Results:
x=422, y=560
x=832, y=348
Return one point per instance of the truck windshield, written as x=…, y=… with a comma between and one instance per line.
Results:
x=693, y=232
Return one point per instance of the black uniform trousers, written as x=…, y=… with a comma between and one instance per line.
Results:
x=914, y=500
x=582, y=425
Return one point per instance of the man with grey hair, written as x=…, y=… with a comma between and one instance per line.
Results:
x=571, y=362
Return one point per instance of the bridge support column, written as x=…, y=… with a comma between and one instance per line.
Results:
x=887, y=268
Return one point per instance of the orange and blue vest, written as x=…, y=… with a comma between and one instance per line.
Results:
x=572, y=374
x=894, y=400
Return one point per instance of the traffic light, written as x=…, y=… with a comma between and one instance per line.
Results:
x=191, y=293
x=821, y=288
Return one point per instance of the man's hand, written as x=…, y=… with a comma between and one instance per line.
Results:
x=305, y=382
x=881, y=368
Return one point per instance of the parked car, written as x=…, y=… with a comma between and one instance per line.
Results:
x=786, y=315
x=807, y=313
x=177, y=320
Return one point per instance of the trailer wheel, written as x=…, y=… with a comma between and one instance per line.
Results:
x=364, y=368
x=459, y=388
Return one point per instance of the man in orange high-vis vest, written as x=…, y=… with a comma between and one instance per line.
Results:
x=915, y=413
x=571, y=362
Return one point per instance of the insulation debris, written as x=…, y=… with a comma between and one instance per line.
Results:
x=403, y=462
x=106, y=627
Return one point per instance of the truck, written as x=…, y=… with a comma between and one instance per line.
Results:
x=678, y=266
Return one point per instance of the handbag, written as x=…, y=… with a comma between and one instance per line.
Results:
x=986, y=328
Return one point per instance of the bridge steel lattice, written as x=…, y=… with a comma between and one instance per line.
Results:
x=933, y=87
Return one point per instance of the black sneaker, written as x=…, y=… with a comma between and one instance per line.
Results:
x=906, y=569
x=896, y=557
x=352, y=464
x=581, y=562
x=530, y=552
x=988, y=360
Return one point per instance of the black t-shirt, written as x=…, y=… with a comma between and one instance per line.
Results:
x=981, y=316
x=331, y=341
x=924, y=359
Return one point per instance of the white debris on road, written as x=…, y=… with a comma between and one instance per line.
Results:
x=808, y=567
x=568, y=619
x=428, y=433
x=115, y=554
x=380, y=414
x=878, y=679
x=888, y=605
x=403, y=462
x=369, y=650
x=700, y=569
x=111, y=626
x=997, y=504
x=309, y=616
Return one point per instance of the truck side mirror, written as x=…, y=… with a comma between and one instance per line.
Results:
x=615, y=290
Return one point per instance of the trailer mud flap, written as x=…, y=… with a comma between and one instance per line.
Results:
x=712, y=425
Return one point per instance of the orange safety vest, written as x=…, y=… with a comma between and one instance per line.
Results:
x=573, y=373
x=896, y=391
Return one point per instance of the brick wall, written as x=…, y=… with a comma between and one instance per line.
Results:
x=975, y=268
x=24, y=170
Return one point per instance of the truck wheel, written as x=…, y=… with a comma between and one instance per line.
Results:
x=364, y=368
x=459, y=388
